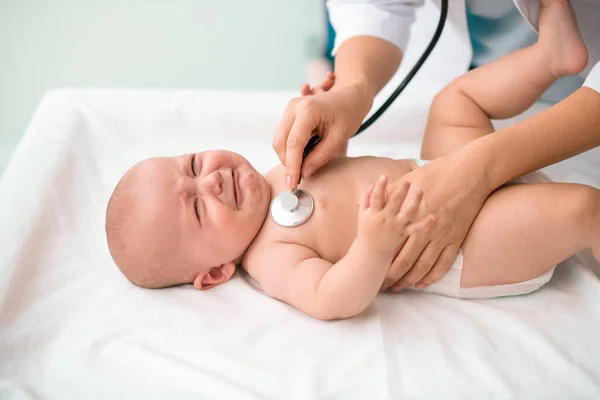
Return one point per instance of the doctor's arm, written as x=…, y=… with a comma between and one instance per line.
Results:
x=370, y=38
x=568, y=128
x=457, y=184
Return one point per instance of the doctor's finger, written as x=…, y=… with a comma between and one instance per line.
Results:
x=305, y=89
x=328, y=79
x=319, y=156
x=405, y=259
x=325, y=85
x=410, y=207
x=300, y=132
x=422, y=266
x=282, y=133
x=397, y=196
x=441, y=266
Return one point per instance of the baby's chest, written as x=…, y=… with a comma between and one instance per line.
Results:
x=328, y=231
x=334, y=225
x=335, y=191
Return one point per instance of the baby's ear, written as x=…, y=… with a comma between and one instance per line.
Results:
x=214, y=277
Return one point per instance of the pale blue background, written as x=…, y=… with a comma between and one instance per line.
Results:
x=234, y=44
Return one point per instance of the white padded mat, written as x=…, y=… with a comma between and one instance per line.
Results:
x=72, y=327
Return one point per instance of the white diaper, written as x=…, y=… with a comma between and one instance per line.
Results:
x=449, y=285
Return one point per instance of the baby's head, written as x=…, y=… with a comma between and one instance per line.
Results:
x=186, y=219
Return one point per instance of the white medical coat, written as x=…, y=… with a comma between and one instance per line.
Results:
x=391, y=20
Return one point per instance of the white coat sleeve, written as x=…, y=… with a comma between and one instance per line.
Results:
x=385, y=19
x=593, y=79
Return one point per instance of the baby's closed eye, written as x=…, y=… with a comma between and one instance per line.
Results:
x=193, y=165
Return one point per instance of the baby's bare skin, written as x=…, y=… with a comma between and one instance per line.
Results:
x=192, y=218
x=508, y=241
x=336, y=188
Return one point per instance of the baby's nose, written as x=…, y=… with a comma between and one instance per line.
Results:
x=212, y=182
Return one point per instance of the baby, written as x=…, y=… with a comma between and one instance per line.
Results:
x=192, y=219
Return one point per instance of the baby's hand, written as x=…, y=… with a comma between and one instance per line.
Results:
x=306, y=90
x=386, y=219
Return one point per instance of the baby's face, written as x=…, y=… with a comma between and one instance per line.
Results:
x=205, y=208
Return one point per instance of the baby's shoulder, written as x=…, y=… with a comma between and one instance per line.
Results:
x=274, y=173
x=270, y=259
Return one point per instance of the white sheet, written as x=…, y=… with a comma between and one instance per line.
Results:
x=72, y=327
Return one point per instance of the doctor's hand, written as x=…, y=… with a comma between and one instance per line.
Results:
x=454, y=190
x=306, y=90
x=334, y=114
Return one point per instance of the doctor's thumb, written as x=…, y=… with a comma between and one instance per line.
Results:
x=317, y=158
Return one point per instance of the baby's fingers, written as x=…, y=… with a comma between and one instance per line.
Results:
x=377, y=198
x=363, y=203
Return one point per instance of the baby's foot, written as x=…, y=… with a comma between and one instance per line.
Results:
x=560, y=38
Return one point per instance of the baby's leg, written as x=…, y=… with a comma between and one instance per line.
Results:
x=524, y=230
x=505, y=87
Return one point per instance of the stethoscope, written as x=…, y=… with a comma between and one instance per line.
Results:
x=291, y=209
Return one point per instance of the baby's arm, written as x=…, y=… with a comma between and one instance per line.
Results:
x=324, y=290
x=333, y=291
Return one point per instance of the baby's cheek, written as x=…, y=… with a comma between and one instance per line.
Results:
x=223, y=220
x=252, y=182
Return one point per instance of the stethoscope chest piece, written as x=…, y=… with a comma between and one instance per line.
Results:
x=291, y=209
